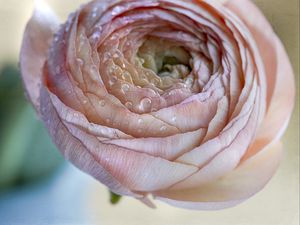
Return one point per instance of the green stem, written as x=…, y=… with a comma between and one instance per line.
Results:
x=114, y=198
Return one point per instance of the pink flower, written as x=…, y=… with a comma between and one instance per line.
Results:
x=182, y=100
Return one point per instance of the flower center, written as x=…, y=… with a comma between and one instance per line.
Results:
x=164, y=58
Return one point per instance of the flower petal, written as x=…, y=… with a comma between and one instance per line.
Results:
x=74, y=150
x=36, y=41
x=279, y=74
x=133, y=170
x=234, y=188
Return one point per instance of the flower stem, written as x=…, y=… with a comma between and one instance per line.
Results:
x=114, y=198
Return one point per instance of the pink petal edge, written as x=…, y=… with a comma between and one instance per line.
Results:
x=36, y=41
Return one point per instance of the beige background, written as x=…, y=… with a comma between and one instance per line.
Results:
x=277, y=204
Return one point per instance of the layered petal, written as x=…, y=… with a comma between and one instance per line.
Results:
x=37, y=38
x=232, y=189
x=279, y=75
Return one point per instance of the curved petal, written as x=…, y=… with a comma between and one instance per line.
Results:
x=234, y=188
x=36, y=41
x=279, y=74
x=134, y=170
x=74, y=150
x=167, y=147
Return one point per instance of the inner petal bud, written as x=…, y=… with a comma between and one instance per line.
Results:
x=164, y=58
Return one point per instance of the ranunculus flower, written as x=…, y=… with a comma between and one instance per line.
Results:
x=182, y=100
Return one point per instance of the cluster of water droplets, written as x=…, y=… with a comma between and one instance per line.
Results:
x=129, y=76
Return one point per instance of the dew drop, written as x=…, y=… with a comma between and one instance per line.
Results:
x=106, y=159
x=163, y=128
x=114, y=37
x=113, y=80
x=84, y=101
x=67, y=28
x=95, y=9
x=93, y=69
x=111, y=69
x=80, y=61
x=142, y=60
x=155, y=82
x=57, y=69
x=145, y=104
x=106, y=56
x=95, y=37
x=116, y=10
x=102, y=103
x=125, y=87
x=126, y=75
x=174, y=119
x=128, y=105
x=56, y=39
x=140, y=121
x=152, y=92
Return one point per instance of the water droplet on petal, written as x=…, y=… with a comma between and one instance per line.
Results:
x=80, y=61
x=126, y=75
x=142, y=60
x=113, y=80
x=106, y=56
x=57, y=69
x=116, y=10
x=102, y=103
x=95, y=37
x=125, y=87
x=95, y=9
x=114, y=37
x=114, y=69
x=140, y=121
x=128, y=105
x=163, y=128
x=145, y=104
x=56, y=39
x=174, y=119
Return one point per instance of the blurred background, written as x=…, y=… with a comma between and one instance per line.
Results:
x=38, y=187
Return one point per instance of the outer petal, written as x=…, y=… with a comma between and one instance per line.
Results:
x=74, y=150
x=280, y=79
x=110, y=164
x=237, y=186
x=36, y=41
